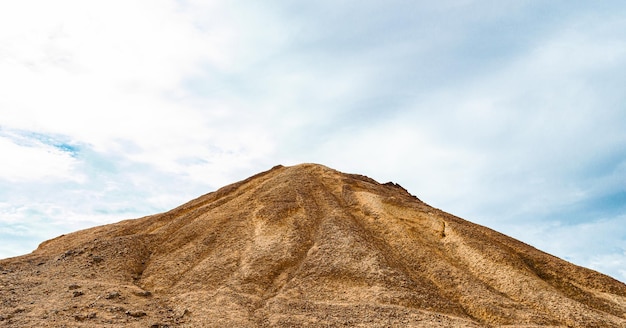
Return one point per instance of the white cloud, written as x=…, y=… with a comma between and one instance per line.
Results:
x=533, y=126
x=36, y=162
x=111, y=73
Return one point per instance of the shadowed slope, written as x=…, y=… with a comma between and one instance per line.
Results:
x=303, y=245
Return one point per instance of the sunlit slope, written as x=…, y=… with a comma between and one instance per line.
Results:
x=302, y=246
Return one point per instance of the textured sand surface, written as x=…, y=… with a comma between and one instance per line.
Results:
x=301, y=246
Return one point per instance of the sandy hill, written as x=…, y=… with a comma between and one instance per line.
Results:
x=301, y=246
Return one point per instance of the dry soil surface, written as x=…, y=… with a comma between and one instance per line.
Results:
x=301, y=246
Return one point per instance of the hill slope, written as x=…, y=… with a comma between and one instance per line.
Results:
x=302, y=245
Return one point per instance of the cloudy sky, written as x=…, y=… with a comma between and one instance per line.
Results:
x=510, y=114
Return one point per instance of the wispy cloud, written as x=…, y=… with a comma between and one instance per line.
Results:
x=32, y=157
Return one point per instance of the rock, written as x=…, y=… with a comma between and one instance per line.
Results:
x=78, y=293
x=116, y=309
x=136, y=314
x=81, y=317
x=73, y=286
x=143, y=293
x=112, y=295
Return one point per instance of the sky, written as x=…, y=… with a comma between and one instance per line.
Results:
x=510, y=114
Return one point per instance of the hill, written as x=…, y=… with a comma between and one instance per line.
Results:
x=302, y=246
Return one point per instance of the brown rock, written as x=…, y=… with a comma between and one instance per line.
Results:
x=112, y=295
x=136, y=314
x=143, y=293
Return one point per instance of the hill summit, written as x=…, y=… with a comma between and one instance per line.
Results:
x=301, y=246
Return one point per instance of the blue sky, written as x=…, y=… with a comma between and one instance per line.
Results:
x=509, y=114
